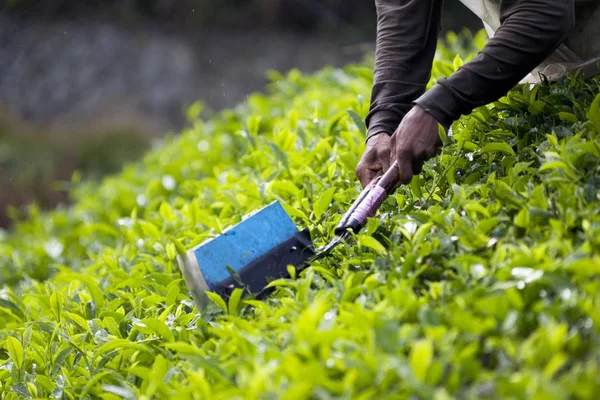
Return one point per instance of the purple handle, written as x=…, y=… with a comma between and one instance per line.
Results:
x=369, y=201
x=369, y=206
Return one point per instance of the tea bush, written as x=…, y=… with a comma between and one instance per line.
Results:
x=477, y=280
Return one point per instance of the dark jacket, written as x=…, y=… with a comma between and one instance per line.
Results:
x=407, y=34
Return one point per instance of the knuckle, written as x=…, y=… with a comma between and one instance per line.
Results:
x=425, y=153
x=405, y=153
x=359, y=170
x=384, y=154
x=380, y=149
x=369, y=154
x=432, y=150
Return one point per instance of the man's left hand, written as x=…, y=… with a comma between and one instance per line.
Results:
x=415, y=141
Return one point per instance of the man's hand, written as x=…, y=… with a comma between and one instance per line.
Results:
x=415, y=141
x=375, y=160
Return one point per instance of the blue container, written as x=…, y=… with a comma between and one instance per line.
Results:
x=248, y=254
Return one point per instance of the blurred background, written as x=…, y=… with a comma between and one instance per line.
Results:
x=87, y=85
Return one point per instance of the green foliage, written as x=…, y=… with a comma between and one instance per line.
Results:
x=35, y=165
x=481, y=281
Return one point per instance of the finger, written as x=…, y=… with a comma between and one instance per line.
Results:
x=361, y=171
x=417, y=167
x=433, y=151
x=405, y=169
x=365, y=175
x=371, y=175
x=385, y=160
x=426, y=154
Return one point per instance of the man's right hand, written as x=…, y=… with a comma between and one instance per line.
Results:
x=375, y=160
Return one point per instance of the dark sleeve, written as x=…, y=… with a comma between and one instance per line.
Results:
x=530, y=31
x=407, y=32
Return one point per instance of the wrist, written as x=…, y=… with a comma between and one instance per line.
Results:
x=440, y=104
x=382, y=121
x=377, y=134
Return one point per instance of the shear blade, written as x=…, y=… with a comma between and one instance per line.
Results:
x=324, y=251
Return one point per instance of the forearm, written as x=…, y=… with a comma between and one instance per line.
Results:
x=530, y=31
x=406, y=41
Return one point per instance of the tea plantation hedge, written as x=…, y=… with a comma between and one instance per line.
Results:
x=479, y=280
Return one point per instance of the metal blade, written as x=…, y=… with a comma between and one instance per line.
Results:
x=324, y=251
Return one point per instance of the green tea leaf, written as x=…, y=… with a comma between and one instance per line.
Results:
x=166, y=212
x=372, y=243
x=421, y=355
x=322, y=204
x=293, y=120
x=11, y=307
x=284, y=187
x=358, y=121
x=171, y=297
x=234, y=301
x=334, y=122
x=498, y=147
x=90, y=310
x=15, y=351
x=566, y=116
x=61, y=354
x=217, y=300
x=280, y=155
x=112, y=326
x=522, y=219
x=78, y=320
x=56, y=304
x=180, y=249
x=157, y=375
x=594, y=112
x=552, y=140
x=254, y=124
x=93, y=287
x=184, y=348
x=415, y=186
x=457, y=62
x=171, y=252
x=141, y=372
x=45, y=382
x=555, y=363
x=149, y=229
x=537, y=107
x=119, y=344
x=159, y=327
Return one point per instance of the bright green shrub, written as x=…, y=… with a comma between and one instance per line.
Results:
x=478, y=280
